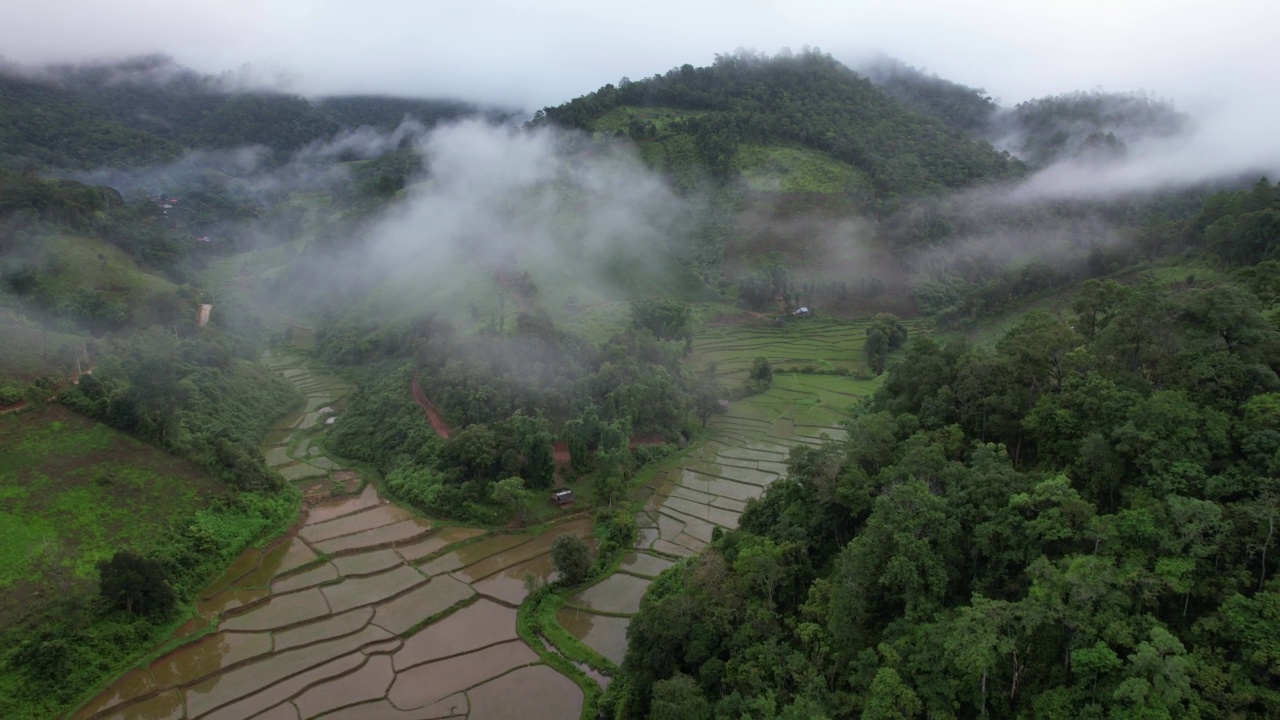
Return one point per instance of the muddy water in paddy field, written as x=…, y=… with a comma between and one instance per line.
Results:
x=401, y=619
x=294, y=649
x=349, y=637
x=607, y=635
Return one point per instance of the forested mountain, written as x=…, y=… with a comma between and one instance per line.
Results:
x=807, y=100
x=49, y=126
x=1092, y=124
x=1077, y=522
x=967, y=109
x=147, y=110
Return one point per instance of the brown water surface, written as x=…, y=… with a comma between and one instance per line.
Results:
x=472, y=553
x=367, y=563
x=454, y=706
x=399, y=532
x=307, y=578
x=278, y=693
x=618, y=593
x=280, y=712
x=373, y=517
x=337, y=508
x=325, y=628
x=365, y=590
x=207, y=655
x=605, y=634
x=280, y=611
x=508, y=585
x=401, y=614
x=479, y=624
x=531, y=693
x=368, y=683
x=252, y=679
x=424, y=685
x=165, y=706
x=539, y=545
x=645, y=564
x=132, y=684
x=230, y=599
x=437, y=541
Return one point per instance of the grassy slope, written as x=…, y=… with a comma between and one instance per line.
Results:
x=72, y=492
x=28, y=350
x=70, y=264
x=796, y=170
x=763, y=168
x=78, y=266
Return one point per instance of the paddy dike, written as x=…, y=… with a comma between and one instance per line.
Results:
x=708, y=487
x=366, y=611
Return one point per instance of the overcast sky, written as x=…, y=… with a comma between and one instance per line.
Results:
x=531, y=54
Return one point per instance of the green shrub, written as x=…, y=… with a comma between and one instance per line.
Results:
x=10, y=395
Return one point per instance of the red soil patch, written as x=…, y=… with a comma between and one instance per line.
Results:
x=433, y=415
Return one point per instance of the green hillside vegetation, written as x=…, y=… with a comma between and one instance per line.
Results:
x=966, y=109
x=1095, y=124
x=51, y=127
x=92, y=282
x=147, y=110
x=74, y=492
x=31, y=350
x=1074, y=521
x=797, y=170
x=807, y=99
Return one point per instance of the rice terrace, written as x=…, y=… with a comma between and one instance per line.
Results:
x=368, y=610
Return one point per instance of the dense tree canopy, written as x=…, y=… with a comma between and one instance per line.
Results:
x=1077, y=522
x=805, y=99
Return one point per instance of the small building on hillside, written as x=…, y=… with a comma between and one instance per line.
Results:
x=562, y=497
x=801, y=312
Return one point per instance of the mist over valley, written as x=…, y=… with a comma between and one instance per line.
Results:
x=456, y=380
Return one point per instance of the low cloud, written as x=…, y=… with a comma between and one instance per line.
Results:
x=502, y=198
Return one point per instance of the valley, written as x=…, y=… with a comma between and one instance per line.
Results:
x=775, y=388
x=366, y=609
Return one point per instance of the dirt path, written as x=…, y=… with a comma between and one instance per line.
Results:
x=13, y=408
x=433, y=415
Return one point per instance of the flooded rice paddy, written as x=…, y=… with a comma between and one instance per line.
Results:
x=367, y=611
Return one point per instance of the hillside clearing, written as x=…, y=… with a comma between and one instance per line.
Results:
x=73, y=492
